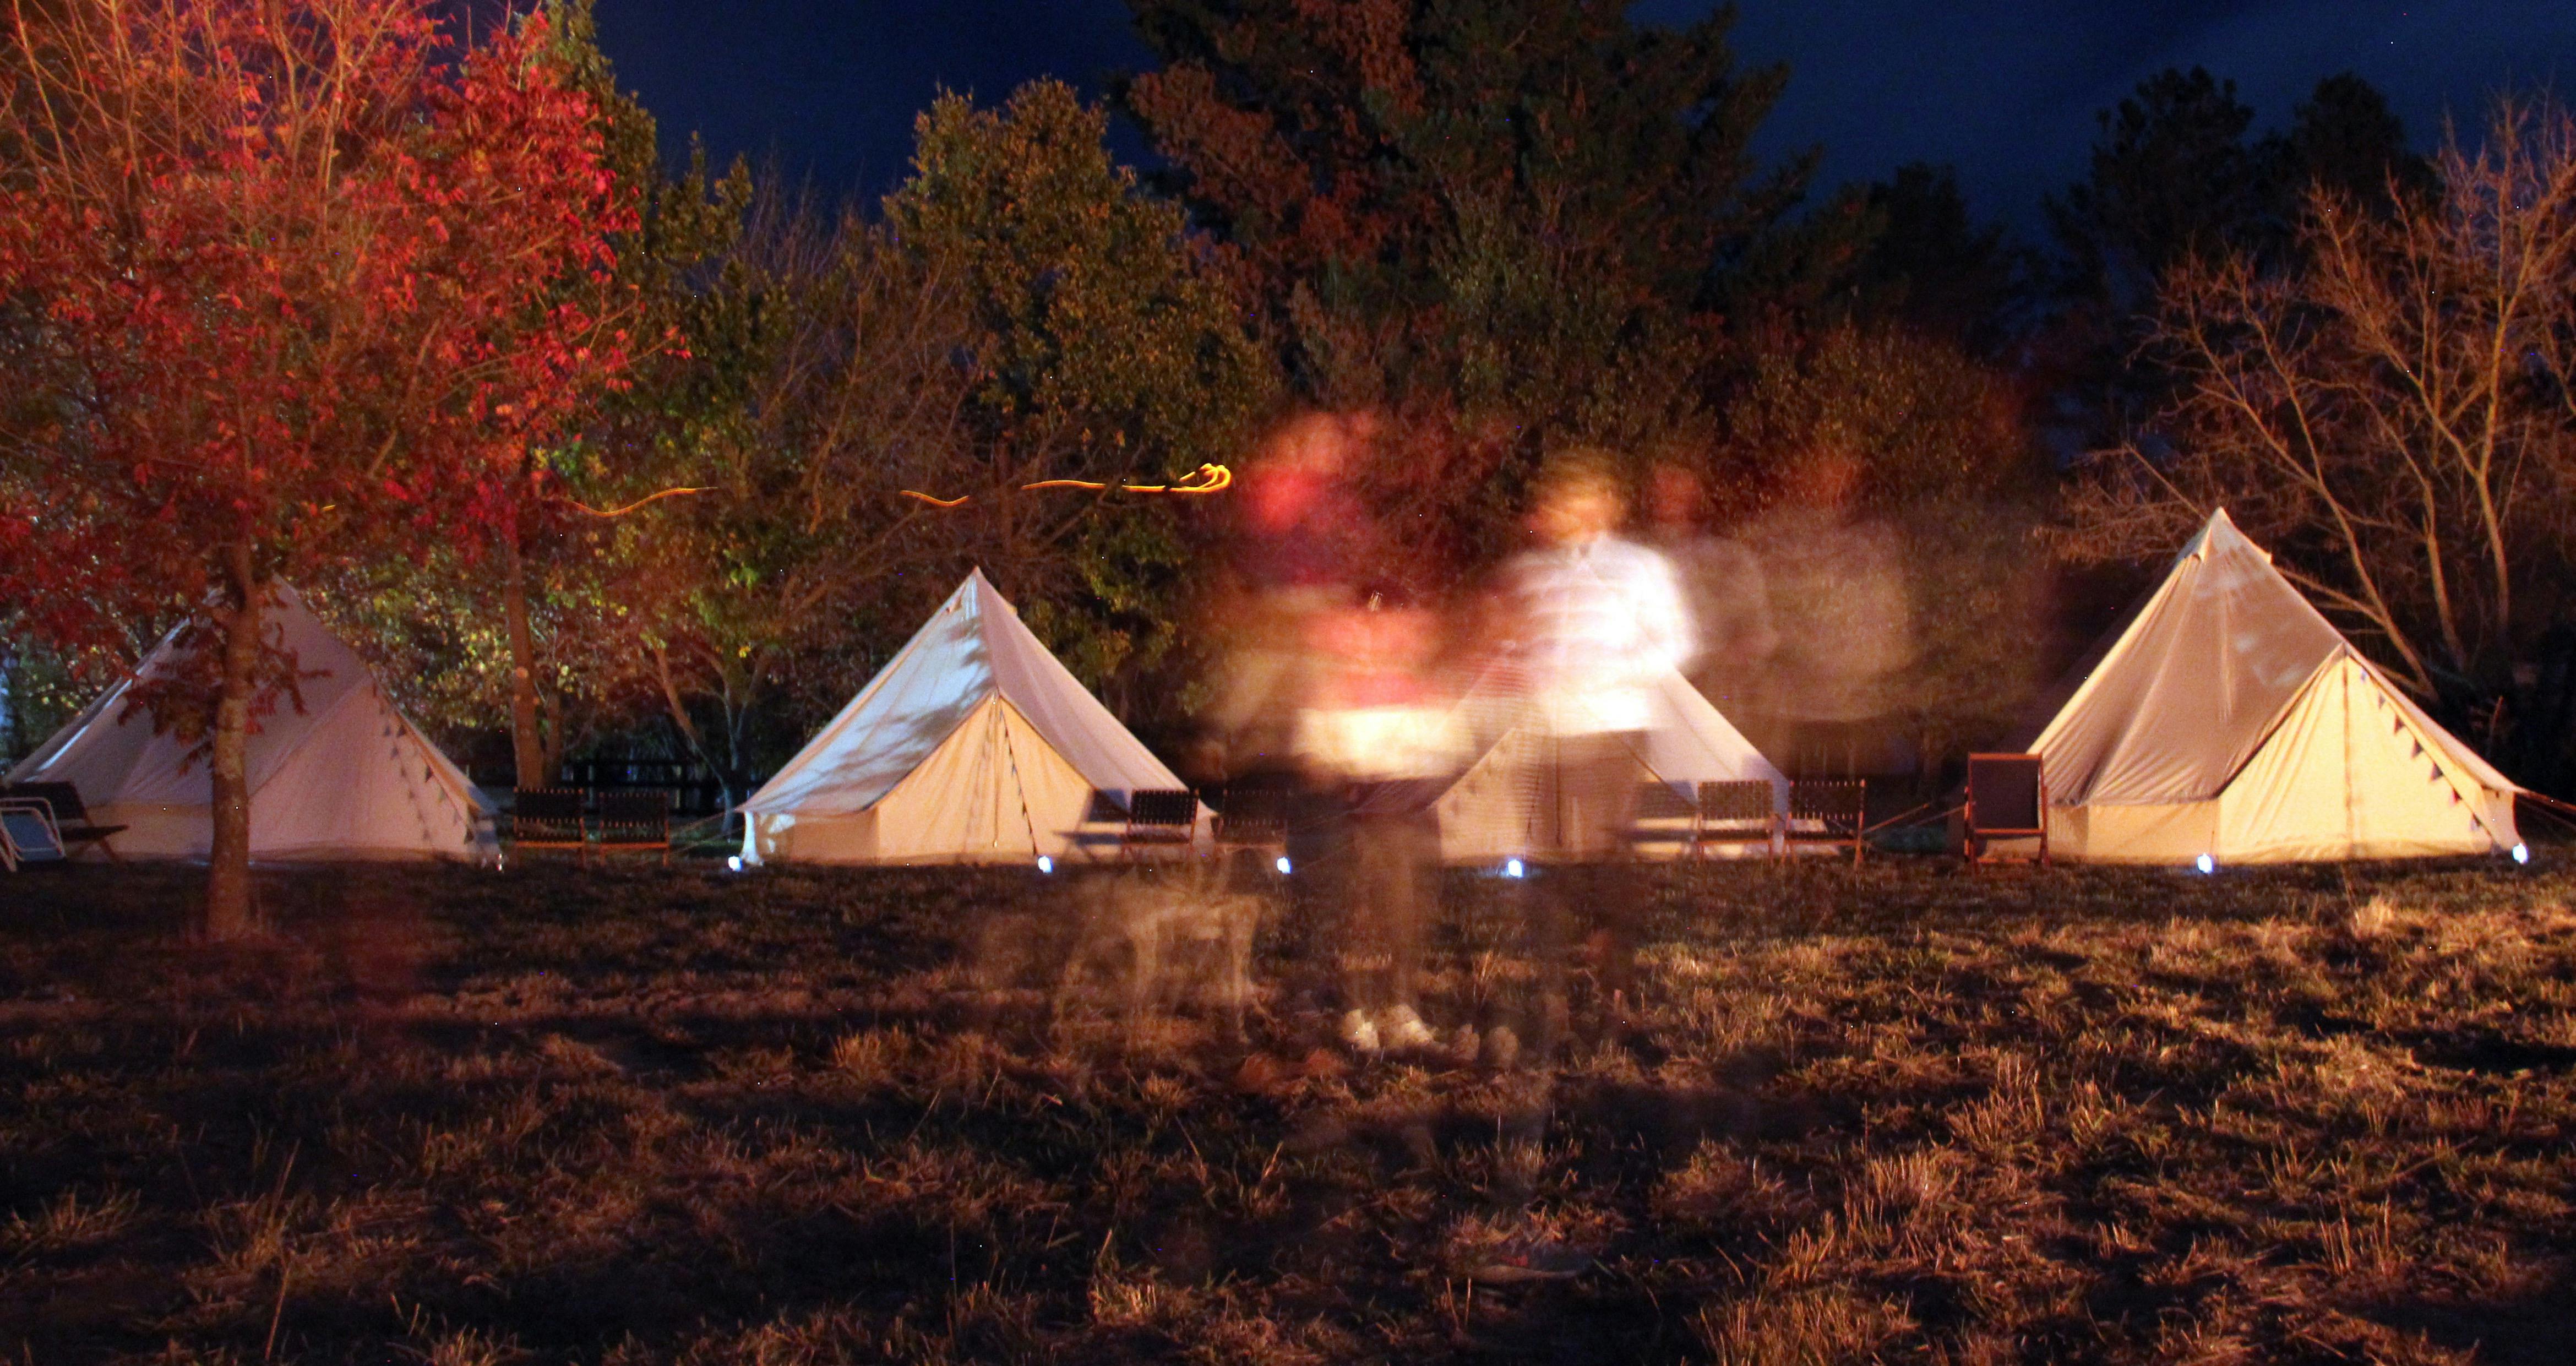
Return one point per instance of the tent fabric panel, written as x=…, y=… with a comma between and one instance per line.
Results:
x=1486, y=814
x=791, y=838
x=2347, y=776
x=907, y=711
x=1085, y=733
x=362, y=781
x=2186, y=695
x=2170, y=833
x=996, y=792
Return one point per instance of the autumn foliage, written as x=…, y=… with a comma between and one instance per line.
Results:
x=285, y=275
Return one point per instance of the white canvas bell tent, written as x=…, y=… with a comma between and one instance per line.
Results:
x=345, y=777
x=2230, y=719
x=973, y=745
x=1489, y=813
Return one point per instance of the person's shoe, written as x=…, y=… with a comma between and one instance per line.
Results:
x=1501, y=1049
x=1403, y=1028
x=1359, y=1033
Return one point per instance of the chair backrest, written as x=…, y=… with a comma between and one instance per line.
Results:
x=2004, y=792
x=1839, y=806
x=1658, y=801
x=62, y=798
x=635, y=817
x=1253, y=815
x=29, y=832
x=1162, y=812
x=1742, y=802
x=546, y=813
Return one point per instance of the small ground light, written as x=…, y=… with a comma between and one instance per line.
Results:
x=1045, y=864
x=2522, y=853
x=1512, y=868
x=2205, y=864
x=733, y=863
x=1281, y=863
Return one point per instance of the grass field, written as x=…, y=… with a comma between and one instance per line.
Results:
x=1900, y=1114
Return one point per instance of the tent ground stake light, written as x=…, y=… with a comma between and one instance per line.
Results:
x=2205, y=864
x=2522, y=853
x=1281, y=863
x=1046, y=863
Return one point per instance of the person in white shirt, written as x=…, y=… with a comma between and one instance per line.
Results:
x=1592, y=621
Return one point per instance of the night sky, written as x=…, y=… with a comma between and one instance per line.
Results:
x=2005, y=90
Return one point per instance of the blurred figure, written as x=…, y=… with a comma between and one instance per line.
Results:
x=1300, y=538
x=1377, y=740
x=1592, y=621
x=1722, y=586
x=1844, y=623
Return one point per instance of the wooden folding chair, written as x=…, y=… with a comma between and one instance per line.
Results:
x=1745, y=811
x=635, y=822
x=1665, y=815
x=1829, y=813
x=70, y=816
x=2007, y=799
x=1253, y=818
x=549, y=818
x=1159, y=818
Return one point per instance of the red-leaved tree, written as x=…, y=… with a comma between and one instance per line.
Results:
x=287, y=274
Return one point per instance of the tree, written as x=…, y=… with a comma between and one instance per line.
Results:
x=2392, y=416
x=1103, y=347
x=292, y=288
x=2172, y=178
x=1930, y=266
x=1491, y=216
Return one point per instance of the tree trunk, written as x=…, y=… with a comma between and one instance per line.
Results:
x=527, y=743
x=228, y=912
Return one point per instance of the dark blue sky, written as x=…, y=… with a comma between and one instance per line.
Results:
x=2004, y=89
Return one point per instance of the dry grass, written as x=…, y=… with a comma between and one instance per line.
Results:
x=1901, y=1114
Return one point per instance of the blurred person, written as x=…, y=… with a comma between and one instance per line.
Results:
x=1592, y=621
x=1299, y=538
x=1378, y=740
x=1722, y=586
x=1844, y=620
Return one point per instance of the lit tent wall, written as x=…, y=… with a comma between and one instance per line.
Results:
x=973, y=745
x=346, y=777
x=2229, y=718
x=1489, y=813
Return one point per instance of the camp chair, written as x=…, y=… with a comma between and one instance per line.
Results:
x=549, y=818
x=71, y=819
x=636, y=821
x=1164, y=818
x=28, y=834
x=1664, y=816
x=2007, y=799
x=1740, y=812
x=1828, y=813
x=1253, y=818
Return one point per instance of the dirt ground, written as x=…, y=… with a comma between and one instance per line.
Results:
x=1903, y=1113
